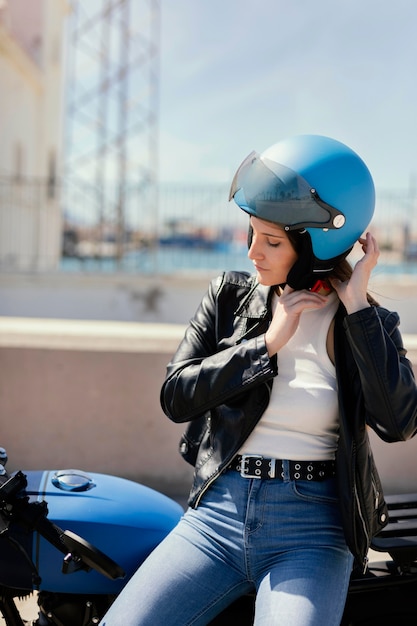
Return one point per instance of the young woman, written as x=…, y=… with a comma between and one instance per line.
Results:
x=279, y=376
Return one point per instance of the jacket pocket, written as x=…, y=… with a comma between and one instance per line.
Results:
x=191, y=439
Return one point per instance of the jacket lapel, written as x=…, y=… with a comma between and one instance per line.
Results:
x=255, y=309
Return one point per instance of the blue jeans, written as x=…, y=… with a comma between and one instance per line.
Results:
x=279, y=538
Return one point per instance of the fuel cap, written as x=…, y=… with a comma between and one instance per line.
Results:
x=72, y=480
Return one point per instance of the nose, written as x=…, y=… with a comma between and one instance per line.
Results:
x=254, y=251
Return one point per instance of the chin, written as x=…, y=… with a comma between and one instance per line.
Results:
x=262, y=280
x=267, y=281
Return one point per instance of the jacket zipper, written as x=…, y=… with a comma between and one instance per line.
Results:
x=362, y=519
x=365, y=558
x=204, y=489
x=217, y=473
x=376, y=492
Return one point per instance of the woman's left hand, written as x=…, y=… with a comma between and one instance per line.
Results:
x=353, y=292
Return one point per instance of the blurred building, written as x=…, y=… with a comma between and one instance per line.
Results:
x=31, y=103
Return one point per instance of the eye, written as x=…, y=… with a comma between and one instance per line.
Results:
x=273, y=243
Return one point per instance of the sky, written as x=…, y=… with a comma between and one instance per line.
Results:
x=239, y=75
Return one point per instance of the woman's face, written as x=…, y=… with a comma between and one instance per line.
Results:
x=271, y=252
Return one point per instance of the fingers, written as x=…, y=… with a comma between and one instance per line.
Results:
x=369, y=244
x=296, y=301
x=290, y=306
x=287, y=289
x=335, y=282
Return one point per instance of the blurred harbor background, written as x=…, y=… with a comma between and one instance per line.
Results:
x=87, y=176
x=122, y=123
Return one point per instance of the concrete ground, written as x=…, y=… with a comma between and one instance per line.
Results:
x=27, y=609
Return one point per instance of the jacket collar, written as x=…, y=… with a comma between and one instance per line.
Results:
x=256, y=302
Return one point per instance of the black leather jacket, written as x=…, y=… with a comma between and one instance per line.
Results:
x=221, y=377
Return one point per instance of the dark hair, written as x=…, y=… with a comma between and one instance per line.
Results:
x=296, y=238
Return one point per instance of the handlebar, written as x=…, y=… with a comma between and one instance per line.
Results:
x=33, y=516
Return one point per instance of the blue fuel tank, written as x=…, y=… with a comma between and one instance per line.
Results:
x=123, y=519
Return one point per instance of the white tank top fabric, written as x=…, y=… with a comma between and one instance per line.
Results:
x=301, y=422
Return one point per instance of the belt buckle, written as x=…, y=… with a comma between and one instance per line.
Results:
x=244, y=471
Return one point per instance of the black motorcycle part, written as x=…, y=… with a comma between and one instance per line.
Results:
x=399, y=537
x=16, y=568
x=8, y=608
x=392, y=605
x=90, y=555
x=66, y=609
x=241, y=612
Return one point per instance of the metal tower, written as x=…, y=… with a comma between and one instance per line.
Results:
x=111, y=120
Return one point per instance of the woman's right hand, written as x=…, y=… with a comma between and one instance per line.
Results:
x=353, y=292
x=286, y=317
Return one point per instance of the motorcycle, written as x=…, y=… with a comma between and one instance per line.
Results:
x=112, y=524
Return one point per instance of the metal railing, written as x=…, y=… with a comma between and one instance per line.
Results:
x=69, y=226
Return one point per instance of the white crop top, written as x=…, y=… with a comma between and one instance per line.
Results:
x=301, y=422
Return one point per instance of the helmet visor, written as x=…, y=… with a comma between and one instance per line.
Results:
x=278, y=194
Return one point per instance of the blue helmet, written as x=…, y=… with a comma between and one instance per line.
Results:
x=309, y=182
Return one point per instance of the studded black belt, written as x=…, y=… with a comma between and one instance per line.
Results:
x=257, y=467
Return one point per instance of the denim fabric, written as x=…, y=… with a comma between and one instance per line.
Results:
x=282, y=539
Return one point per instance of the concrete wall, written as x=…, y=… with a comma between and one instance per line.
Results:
x=85, y=394
x=160, y=298
x=113, y=297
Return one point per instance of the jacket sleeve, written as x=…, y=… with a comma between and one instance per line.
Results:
x=209, y=369
x=386, y=375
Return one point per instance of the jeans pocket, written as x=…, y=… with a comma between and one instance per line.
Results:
x=316, y=491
